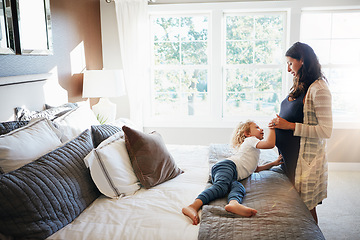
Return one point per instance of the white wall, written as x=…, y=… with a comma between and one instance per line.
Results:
x=342, y=147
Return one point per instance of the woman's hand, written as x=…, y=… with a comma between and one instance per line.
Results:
x=281, y=123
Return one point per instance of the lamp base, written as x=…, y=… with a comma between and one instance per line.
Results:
x=105, y=111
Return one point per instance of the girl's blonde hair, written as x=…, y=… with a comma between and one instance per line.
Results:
x=238, y=135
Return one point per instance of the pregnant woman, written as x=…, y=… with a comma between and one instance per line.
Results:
x=303, y=124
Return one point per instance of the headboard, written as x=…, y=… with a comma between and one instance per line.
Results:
x=30, y=91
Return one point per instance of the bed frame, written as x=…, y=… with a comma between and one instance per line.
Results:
x=30, y=91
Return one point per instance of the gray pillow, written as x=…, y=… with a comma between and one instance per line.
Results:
x=6, y=127
x=102, y=132
x=43, y=196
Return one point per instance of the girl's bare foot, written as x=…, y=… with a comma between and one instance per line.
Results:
x=192, y=213
x=239, y=209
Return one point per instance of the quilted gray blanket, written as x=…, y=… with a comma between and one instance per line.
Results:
x=281, y=212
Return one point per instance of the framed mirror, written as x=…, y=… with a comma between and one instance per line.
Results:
x=34, y=27
x=7, y=39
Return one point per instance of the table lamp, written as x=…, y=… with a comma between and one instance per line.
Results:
x=103, y=84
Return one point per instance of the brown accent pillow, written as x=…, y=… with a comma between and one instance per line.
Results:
x=150, y=159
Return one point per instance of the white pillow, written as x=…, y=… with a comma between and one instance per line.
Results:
x=26, y=144
x=111, y=169
x=75, y=122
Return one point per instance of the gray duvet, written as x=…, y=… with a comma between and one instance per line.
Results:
x=281, y=212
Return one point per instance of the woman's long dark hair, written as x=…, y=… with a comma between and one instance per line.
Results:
x=309, y=72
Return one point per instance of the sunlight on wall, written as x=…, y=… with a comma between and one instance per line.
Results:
x=54, y=94
x=77, y=59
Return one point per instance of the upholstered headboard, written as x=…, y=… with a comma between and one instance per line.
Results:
x=30, y=91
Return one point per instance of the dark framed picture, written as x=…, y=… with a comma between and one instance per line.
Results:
x=32, y=25
x=7, y=38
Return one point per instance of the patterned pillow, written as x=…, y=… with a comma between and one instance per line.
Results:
x=23, y=114
x=102, y=132
x=150, y=159
x=43, y=196
x=65, y=105
x=6, y=127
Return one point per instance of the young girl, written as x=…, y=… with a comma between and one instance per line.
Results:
x=247, y=139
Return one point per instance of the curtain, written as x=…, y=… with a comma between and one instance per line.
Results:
x=132, y=20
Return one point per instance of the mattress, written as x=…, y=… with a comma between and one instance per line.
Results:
x=148, y=214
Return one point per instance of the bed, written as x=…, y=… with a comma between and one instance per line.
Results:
x=114, y=181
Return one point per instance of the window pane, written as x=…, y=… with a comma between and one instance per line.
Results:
x=238, y=104
x=194, y=81
x=254, y=92
x=180, y=47
x=315, y=25
x=167, y=102
x=269, y=27
x=167, y=81
x=238, y=80
x=194, y=28
x=344, y=85
x=345, y=51
x=239, y=52
x=268, y=52
x=253, y=41
x=239, y=27
x=346, y=25
x=167, y=53
x=197, y=104
x=166, y=29
x=268, y=80
x=194, y=53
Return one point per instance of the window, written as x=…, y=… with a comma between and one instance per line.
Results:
x=183, y=84
x=253, y=66
x=214, y=64
x=180, y=66
x=335, y=38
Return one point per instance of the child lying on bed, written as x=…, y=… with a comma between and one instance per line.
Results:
x=247, y=139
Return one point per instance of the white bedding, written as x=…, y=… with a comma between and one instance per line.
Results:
x=148, y=214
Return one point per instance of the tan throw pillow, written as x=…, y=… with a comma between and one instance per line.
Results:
x=150, y=159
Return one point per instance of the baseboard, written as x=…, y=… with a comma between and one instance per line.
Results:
x=344, y=167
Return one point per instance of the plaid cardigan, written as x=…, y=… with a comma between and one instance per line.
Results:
x=312, y=171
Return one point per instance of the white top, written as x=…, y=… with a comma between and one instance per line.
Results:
x=247, y=157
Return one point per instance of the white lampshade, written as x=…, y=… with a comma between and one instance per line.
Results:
x=103, y=83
